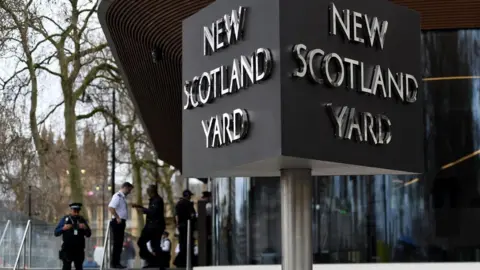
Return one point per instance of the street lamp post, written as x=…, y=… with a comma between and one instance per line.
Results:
x=103, y=189
x=30, y=232
x=113, y=143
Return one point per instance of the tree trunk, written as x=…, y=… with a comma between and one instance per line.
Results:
x=137, y=179
x=39, y=145
x=76, y=187
x=166, y=185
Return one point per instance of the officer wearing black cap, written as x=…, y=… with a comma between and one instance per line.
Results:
x=73, y=228
x=184, y=211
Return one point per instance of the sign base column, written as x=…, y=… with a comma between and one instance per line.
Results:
x=296, y=203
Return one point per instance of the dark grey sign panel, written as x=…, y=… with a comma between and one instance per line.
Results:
x=329, y=85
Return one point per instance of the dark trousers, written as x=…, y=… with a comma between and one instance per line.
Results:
x=181, y=259
x=154, y=235
x=118, y=234
x=166, y=258
x=75, y=257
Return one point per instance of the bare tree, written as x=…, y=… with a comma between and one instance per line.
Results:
x=17, y=165
x=17, y=42
x=135, y=143
x=70, y=50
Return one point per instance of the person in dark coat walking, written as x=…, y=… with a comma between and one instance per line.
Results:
x=73, y=228
x=154, y=227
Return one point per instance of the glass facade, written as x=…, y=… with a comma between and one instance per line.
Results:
x=433, y=217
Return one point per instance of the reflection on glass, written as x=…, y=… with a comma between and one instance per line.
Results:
x=361, y=219
x=221, y=235
x=240, y=191
x=265, y=221
x=383, y=218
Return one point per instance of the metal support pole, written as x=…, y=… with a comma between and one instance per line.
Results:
x=30, y=236
x=109, y=245
x=30, y=232
x=30, y=201
x=24, y=255
x=104, y=217
x=296, y=192
x=113, y=142
x=189, y=249
x=106, y=251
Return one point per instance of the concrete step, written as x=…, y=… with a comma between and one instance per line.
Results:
x=92, y=268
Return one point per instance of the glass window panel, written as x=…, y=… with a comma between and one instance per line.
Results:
x=382, y=218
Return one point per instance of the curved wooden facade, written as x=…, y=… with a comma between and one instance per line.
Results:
x=134, y=28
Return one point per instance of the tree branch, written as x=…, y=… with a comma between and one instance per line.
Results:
x=86, y=52
x=38, y=66
x=43, y=41
x=90, y=114
x=41, y=30
x=5, y=82
x=50, y=113
x=108, y=114
x=54, y=22
x=91, y=76
x=89, y=15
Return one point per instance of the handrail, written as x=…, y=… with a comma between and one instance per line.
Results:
x=105, y=244
x=2, y=249
x=22, y=244
x=4, y=232
x=189, y=249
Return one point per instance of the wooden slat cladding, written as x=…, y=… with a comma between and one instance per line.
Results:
x=445, y=14
x=135, y=27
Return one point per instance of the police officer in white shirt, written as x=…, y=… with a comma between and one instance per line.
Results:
x=165, y=245
x=118, y=209
x=166, y=250
x=195, y=250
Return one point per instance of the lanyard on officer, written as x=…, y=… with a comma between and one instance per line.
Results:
x=74, y=222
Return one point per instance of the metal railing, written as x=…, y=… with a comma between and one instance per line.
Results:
x=2, y=248
x=106, y=248
x=189, y=249
x=23, y=246
x=5, y=231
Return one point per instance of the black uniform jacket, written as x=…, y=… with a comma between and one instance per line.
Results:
x=185, y=211
x=155, y=213
x=74, y=238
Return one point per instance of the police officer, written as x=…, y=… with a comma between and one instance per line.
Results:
x=184, y=211
x=154, y=227
x=73, y=228
x=166, y=245
x=118, y=209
